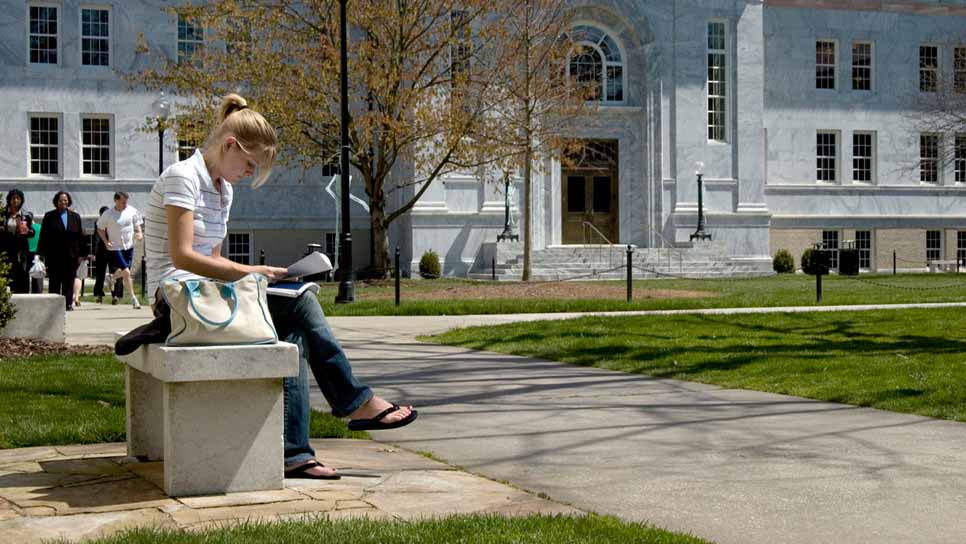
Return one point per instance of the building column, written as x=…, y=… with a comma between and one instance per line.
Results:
x=750, y=107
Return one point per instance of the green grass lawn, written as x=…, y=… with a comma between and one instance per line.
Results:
x=457, y=529
x=48, y=401
x=784, y=290
x=911, y=361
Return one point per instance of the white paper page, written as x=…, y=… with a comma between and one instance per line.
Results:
x=313, y=263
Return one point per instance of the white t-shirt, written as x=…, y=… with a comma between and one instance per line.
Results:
x=120, y=226
x=186, y=184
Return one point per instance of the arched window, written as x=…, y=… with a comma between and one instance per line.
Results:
x=596, y=60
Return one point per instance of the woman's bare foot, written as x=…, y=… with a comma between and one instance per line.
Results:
x=376, y=406
x=318, y=470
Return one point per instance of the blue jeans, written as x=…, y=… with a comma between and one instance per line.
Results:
x=300, y=321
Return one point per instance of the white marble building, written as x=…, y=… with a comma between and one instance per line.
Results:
x=811, y=134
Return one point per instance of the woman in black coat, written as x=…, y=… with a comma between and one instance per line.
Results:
x=16, y=227
x=62, y=244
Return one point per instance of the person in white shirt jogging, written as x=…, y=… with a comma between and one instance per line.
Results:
x=118, y=229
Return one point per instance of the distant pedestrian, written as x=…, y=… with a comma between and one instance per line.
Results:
x=118, y=228
x=103, y=265
x=16, y=228
x=62, y=245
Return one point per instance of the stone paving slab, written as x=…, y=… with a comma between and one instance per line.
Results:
x=83, y=492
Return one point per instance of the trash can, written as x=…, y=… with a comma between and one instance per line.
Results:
x=849, y=262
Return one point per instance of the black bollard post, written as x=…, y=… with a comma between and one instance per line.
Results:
x=630, y=271
x=397, y=275
x=493, y=269
x=261, y=257
x=818, y=288
x=144, y=277
x=893, y=262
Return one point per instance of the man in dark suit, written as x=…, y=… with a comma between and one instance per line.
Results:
x=63, y=243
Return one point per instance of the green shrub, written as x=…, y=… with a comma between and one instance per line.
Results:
x=7, y=310
x=783, y=263
x=429, y=265
x=809, y=266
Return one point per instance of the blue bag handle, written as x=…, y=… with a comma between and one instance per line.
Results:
x=227, y=291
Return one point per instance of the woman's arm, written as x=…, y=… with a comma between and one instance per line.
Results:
x=180, y=233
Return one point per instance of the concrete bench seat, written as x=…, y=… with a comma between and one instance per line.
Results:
x=212, y=413
x=942, y=266
x=39, y=316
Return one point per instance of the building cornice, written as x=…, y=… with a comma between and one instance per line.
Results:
x=912, y=7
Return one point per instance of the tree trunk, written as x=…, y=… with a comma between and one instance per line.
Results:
x=380, y=235
x=527, y=235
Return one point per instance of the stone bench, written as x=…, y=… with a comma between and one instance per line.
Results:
x=213, y=414
x=41, y=317
x=942, y=266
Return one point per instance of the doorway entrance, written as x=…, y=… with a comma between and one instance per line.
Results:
x=589, y=192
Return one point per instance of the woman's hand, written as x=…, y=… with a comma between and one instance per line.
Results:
x=272, y=272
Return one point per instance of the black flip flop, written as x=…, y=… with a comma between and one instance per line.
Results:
x=376, y=424
x=302, y=473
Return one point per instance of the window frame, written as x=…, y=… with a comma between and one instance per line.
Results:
x=834, y=254
x=58, y=48
x=865, y=253
x=81, y=37
x=959, y=69
x=836, y=170
x=937, y=160
x=111, y=129
x=724, y=53
x=871, y=66
x=605, y=64
x=187, y=146
x=197, y=43
x=959, y=158
x=248, y=241
x=938, y=69
x=937, y=252
x=873, y=157
x=961, y=245
x=60, y=145
x=834, y=65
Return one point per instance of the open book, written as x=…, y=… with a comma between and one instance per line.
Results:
x=308, y=267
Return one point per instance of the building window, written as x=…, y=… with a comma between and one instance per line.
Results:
x=461, y=48
x=596, y=62
x=961, y=246
x=717, y=82
x=928, y=68
x=863, y=156
x=929, y=158
x=826, y=154
x=959, y=159
x=830, y=240
x=95, y=37
x=330, y=241
x=191, y=41
x=43, y=35
x=862, y=66
x=959, y=67
x=44, y=145
x=934, y=245
x=863, y=243
x=239, y=247
x=96, y=146
x=186, y=148
x=825, y=64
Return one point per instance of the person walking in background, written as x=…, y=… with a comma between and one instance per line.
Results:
x=79, y=278
x=117, y=229
x=16, y=228
x=103, y=265
x=62, y=244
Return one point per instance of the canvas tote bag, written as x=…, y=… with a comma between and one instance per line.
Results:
x=208, y=312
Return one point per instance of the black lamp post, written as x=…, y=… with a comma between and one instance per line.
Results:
x=162, y=109
x=346, y=289
x=700, y=234
x=509, y=229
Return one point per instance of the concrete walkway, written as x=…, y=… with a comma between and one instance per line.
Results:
x=80, y=492
x=732, y=466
